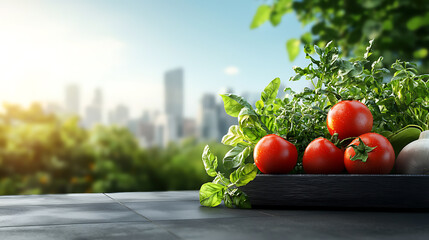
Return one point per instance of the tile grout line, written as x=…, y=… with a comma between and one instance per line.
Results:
x=127, y=207
x=266, y=213
x=171, y=233
x=67, y=224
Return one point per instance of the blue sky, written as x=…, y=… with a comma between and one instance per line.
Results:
x=124, y=47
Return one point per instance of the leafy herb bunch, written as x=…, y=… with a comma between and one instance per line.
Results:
x=395, y=100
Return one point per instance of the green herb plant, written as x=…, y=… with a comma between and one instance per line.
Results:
x=396, y=99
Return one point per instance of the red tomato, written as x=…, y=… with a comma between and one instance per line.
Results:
x=349, y=119
x=274, y=154
x=322, y=156
x=380, y=160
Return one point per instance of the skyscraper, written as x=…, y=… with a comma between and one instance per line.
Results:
x=72, y=99
x=53, y=108
x=208, y=118
x=98, y=97
x=169, y=125
x=119, y=116
x=173, y=83
x=93, y=112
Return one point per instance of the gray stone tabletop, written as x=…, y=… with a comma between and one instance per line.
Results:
x=178, y=215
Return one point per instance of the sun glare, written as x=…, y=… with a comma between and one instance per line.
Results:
x=37, y=53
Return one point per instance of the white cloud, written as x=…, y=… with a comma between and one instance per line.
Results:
x=231, y=70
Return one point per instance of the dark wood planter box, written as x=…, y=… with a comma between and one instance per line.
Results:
x=339, y=191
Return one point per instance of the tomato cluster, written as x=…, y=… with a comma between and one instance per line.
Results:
x=368, y=153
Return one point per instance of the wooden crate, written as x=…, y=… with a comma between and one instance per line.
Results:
x=339, y=190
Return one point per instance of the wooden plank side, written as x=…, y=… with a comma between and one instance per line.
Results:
x=347, y=190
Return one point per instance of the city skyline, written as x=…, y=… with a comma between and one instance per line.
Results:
x=157, y=127
x=125, y=47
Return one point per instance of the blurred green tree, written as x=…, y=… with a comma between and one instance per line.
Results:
x=400, y=27
x=43, y=153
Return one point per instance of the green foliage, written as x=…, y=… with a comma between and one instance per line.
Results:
x=243, y=175
x=39, y=154
x=234, y=103
x=400, y=27
x=237, y=155
x=292, y=46
x=301, y=117
x=222, y=188
x=42, y=153
x=261, y=16
x=233, y=137
x=211, y=194
x=210, y=162
x=238, y=162
x=270, y=92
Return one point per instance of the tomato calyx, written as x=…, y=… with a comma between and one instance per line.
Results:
x=334, y=139
x=361, y=151
x=347, y=140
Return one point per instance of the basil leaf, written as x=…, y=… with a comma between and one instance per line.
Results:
x=220, y=179
x=211, y=194
x=210, y=161
x=236, y=156
x=241, y=200
x=227, y=199
x=270, y=122
x=251, y=126
x=244, y=174
x=234, y=103
x=270, y=91
x=236, y=198
x=233, y=137
x=259, y=105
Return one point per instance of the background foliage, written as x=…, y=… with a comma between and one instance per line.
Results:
x=42, y=153
x=400, y=27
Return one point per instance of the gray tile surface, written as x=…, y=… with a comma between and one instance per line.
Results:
x=293, y=228
x=106, y=231
x=178, y=215
x=66, y=214
x=177, y=210
x=154, y=196
x=54, y=199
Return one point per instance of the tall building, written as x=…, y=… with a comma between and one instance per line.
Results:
x=208, y=118
x=98, y=97
x=166, y=130
x=93, y=112
x=119, y=116
x=146, y=134
x=51, y=107
x=169, y=125
x=173, y=85
x=72, y=99
x=189, y=127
